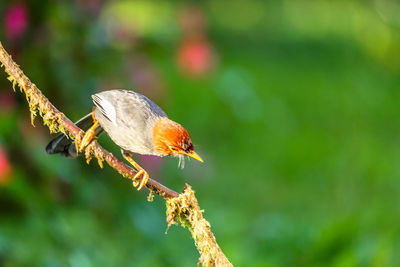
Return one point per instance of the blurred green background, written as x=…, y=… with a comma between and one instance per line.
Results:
x=294, y=105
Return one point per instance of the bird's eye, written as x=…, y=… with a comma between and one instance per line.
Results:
x=189, y=148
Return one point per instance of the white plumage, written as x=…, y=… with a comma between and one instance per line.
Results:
x=105, y=107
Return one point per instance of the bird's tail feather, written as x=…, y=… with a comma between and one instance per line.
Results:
x=63, y=145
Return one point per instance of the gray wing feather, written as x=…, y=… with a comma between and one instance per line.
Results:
x=123, y=106
x=128, y=118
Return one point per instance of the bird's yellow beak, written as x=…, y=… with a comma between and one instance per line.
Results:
x=195, y=156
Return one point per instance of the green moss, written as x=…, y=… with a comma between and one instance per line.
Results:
x=185, y=209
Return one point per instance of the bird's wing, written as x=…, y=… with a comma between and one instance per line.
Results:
x=105, y=107
x=127, y=108
x=143, y=103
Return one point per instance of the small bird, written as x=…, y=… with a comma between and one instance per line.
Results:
x=135, y=123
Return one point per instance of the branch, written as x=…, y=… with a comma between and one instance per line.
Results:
x=186, y=210
x=58, y=122
x=182, y=207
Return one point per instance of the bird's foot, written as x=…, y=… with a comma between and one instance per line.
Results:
x=89, y=134
x=140, y=172
x=143, y=181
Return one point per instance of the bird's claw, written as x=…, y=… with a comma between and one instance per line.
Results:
x=140, y=171
x=143, y=182
x=87, y=138
x=89, y=134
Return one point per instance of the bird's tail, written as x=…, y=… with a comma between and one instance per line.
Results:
x=63, y=145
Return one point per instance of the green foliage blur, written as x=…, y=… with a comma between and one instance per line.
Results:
x=293, y=105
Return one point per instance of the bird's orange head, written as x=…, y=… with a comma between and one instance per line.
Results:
x=170, y=138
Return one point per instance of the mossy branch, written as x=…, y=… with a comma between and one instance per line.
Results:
x=186, y=210
x=182, y=207
x=58, y=122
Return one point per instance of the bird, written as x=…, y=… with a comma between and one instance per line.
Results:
x=134, y=123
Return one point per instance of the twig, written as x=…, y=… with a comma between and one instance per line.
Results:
x=182, y=207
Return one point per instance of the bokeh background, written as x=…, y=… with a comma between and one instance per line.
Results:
x=294, y=105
